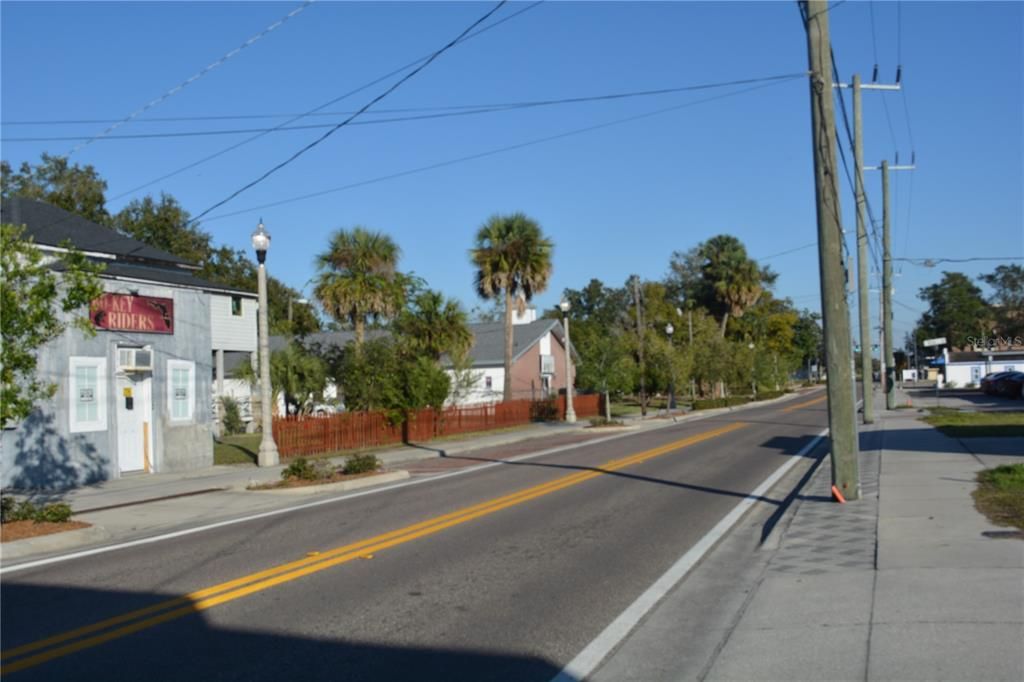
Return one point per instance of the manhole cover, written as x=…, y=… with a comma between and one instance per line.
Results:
x=1001, y=534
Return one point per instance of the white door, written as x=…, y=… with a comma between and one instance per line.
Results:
x=134, y=407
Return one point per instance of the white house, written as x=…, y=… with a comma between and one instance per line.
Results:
x=966, y=368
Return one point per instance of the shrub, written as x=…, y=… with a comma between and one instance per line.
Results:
x=58, y=512
x=360, y=464
x=6, y=509
x=11, y=511
x=232, y=416
x=544, y=411
x=770, y=395
x=301, y=469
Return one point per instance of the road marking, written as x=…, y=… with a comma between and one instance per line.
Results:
x=806, y=404
x=341, y=498
x=64, y=643
x=595, y=653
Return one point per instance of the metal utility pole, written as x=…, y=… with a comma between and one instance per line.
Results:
x=863, y=308
x=640, y=344
x=890, y=362
x=838, y=352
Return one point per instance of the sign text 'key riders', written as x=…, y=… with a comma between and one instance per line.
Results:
x=125, y=312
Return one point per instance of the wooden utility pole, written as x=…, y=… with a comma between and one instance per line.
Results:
x=838, y=352
x=863, y=309
x=890, y=362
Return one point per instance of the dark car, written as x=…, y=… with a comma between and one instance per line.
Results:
x=988, y=382
x=1010, y=385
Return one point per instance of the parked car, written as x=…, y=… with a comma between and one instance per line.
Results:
x=1010, y=385
x=988, y=382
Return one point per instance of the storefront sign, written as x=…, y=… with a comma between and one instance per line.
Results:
x=125, y=312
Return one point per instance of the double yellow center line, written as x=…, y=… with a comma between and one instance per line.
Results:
x=86, y=637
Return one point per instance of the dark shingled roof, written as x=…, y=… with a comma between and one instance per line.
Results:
x=49, y=226
x=488, y=339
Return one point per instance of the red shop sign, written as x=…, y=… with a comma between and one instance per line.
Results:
x=124, y=312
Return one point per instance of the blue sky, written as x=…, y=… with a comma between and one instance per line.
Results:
x=616, y=200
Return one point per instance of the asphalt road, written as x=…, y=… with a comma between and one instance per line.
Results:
x=503, y=573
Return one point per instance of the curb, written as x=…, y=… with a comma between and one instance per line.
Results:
x=340, y=486
x=55, y=542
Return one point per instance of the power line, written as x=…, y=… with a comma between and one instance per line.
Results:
x=498, y=150
x=461, y=111
x=369, y=104
x=932, y=262
x=788, y=251
x=192, y=79
x=246, y=141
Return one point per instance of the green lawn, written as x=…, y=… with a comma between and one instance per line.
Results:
x=238, y=449
x=1000, y=495
x=959, y=424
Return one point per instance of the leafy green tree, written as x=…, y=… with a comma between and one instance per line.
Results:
x=164, y=224
x=358, y=278
x=382, y=374
x=74, y=188
x=1007, y=300
x=808, y=338
x=434, y=326
x=512, y=258
x=956, y=310
x=38, y=305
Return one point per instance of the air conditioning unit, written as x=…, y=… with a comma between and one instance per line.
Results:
x=547, y=364
x=134, y=359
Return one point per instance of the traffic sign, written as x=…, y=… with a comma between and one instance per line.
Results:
x=939, y=341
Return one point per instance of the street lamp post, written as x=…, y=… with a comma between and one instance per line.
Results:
x=669, y=329
x=753, y=369
x=570, y=413
x=689, y=325
x=268, y=455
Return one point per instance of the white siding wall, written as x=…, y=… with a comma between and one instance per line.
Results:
x=479, y=393
x=960, y=372
x=232, y=332
x=545, y=344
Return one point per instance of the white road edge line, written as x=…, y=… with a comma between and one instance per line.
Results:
x=4, y=570
x=595, y=653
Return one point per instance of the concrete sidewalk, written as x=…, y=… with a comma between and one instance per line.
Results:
x=900, y=585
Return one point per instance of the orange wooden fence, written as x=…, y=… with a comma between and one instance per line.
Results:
x=311, y=435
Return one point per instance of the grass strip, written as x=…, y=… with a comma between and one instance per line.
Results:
x=1000, y=495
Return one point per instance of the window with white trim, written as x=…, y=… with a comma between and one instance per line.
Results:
x=181, y=389
x=87, y=394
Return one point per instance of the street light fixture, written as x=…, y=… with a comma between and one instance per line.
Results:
x=268, y=455
x=753, y=369
x=570, y=413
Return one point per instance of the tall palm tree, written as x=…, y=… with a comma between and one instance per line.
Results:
x=736, y=280
x=513, y=259
x=358, y=278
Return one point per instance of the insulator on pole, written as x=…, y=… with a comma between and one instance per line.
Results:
x=913, y=158
x=899, y=74
x=897, y=159
x=874, y=74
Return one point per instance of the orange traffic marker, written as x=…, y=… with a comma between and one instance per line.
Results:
x=838, y=495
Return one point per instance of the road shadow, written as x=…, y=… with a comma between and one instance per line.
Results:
x=192, y=646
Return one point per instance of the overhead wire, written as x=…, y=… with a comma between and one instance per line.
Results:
x=459, y=111
x=316, y=109
x=499, y=150
x=348, y=120
x=193, y=78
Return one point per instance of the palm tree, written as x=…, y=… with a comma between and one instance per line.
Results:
x=358, y=278
x=435, y=326
x=512, y=258
x=736, y=280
